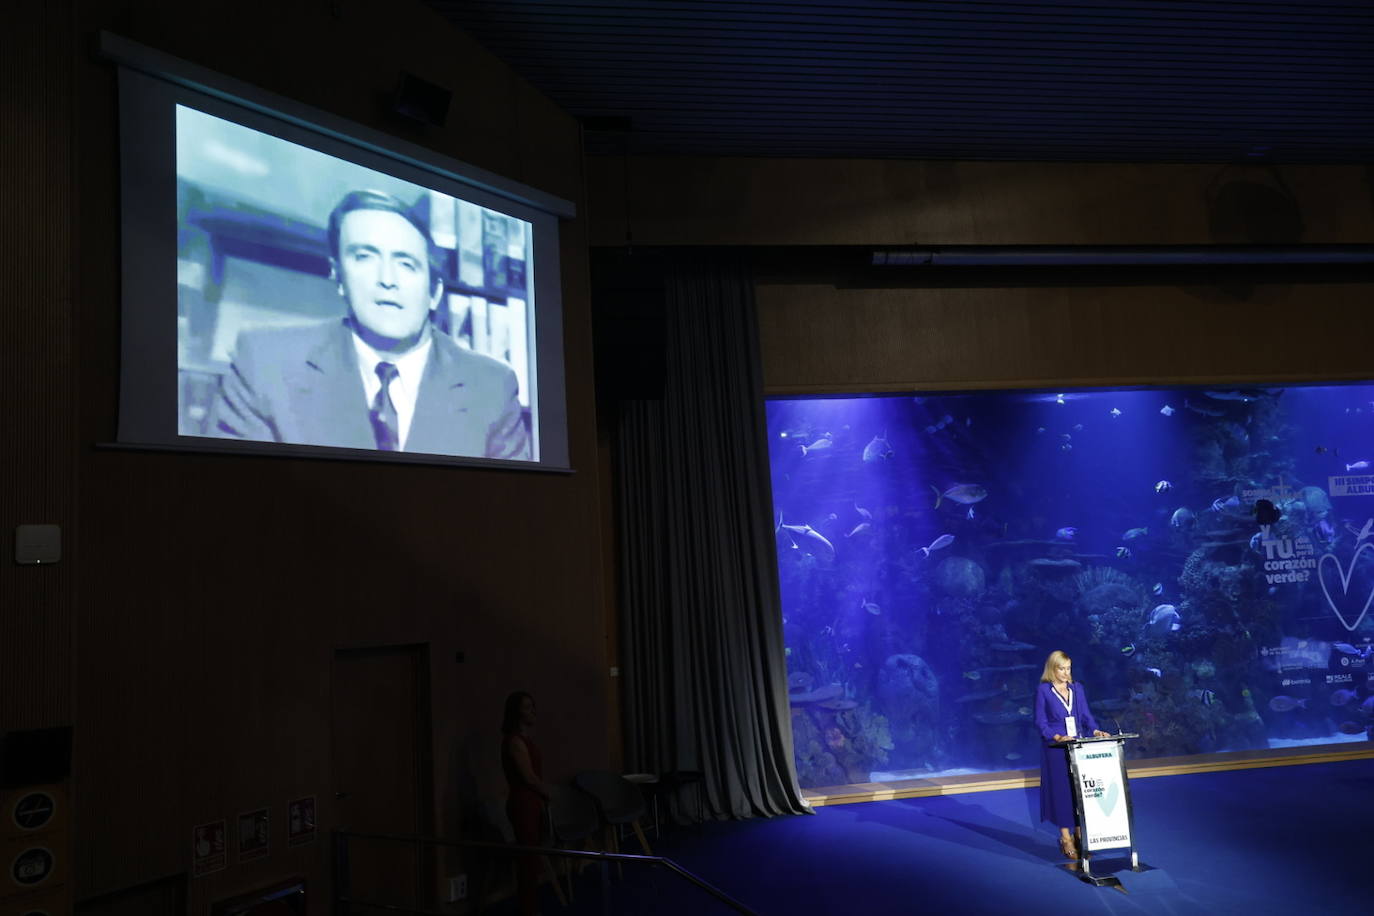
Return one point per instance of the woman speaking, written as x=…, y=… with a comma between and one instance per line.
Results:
x=1061, y=713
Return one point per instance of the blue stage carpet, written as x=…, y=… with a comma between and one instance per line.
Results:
x=1295, y=839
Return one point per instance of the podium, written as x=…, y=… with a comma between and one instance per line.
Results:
x=1102, y=803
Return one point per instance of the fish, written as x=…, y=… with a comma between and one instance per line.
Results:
x=970, y=513
x=1266, y=513
x=1205, y=411
x=1123, y=552
x=1283, y=703
x=982, y=695
x=1346, y=648
x=1256, y=540
x=1224, y=504
x=1351, y=728
x=861, y=528
x=1059, y=399
x=821, y=444
x=1341, y=697
x=863, y=513
x=1013, y=756
x=1158, y=589
x=1133, y=533
x=1229, y=396
x=1039, y=430
x=1065, y=436
x=1024, y=710
x=1115, y=412
x=811, y=535
x=1006, y=717
x=973, y=675
x=878, y=449
x=1162, y=486
x=964, y=493
x=871, y=607
x=1357, y=465
x=1208, y=697
x=1164, y=619
x=1363, y=532
x=1078, y=427
x=1155, y=671
x=1128, y=649
x=1066, y=447
x=1322, y=450
x=942, y=541
x=1167, y=410
x=1182, y=518
x=1066, y=533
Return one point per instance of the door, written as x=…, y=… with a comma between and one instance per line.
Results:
x=383, y=769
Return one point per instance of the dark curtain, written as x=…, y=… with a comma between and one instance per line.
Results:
x=705, y=681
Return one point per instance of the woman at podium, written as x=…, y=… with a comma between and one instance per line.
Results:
x=1061, y=713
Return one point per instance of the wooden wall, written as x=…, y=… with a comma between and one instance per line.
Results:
x=189, y=631
x=1167, y=325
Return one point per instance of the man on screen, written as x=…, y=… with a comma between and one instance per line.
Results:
x=382, y=377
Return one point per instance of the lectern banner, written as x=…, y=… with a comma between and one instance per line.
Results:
x=1101, y=789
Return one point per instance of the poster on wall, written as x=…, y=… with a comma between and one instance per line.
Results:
x=300, y=821
x=255, y=834
x=208, y=848
x=1205, y=556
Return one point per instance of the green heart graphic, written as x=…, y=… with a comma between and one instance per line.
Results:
x=1109, y=798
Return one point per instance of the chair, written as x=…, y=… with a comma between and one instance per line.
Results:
x=619, y=802
x=574, y=819
x=497, y=821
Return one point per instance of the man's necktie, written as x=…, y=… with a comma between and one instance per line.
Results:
x=385, y=426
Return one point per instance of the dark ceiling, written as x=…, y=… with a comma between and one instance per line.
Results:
x=1073, y=80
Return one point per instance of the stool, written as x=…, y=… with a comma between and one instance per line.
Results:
x=647, y=783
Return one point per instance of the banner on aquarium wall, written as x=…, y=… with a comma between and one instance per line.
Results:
x=1206, y=557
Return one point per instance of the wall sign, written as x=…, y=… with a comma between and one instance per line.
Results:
x=207, y=848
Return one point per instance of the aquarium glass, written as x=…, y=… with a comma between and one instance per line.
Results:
x=1205, y=556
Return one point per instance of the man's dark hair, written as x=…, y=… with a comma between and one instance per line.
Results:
x=510, y=720
x=417, y=214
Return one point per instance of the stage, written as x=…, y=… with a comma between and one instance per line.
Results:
x=1276, y=839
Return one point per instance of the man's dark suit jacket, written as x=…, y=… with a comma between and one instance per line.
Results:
x=302, y=385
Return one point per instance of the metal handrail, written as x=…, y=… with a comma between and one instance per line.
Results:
x=514, y=849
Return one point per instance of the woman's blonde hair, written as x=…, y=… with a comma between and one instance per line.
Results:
x=1057, y=658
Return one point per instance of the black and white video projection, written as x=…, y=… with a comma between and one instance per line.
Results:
x=296, y=284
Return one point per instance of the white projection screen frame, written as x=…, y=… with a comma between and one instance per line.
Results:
x=223, y=231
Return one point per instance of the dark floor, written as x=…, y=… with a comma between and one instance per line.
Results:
x=1296, y=839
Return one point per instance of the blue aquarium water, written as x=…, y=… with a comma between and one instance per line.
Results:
x=1205, y=556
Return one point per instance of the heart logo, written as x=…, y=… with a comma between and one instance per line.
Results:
x=1109, y=798
x=1344, y=575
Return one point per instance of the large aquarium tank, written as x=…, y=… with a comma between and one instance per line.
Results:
x=1205, y=556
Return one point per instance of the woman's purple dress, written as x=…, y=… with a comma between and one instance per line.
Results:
x=1056, y=798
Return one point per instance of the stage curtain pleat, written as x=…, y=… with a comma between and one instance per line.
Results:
x=705, y=679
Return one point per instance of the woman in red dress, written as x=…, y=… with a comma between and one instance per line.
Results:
x=526, y=804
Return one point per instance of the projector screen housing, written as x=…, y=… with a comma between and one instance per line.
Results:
x=249, y=326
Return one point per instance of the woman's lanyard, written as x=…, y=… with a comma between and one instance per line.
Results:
x=1067, y=704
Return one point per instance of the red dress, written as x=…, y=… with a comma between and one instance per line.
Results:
x=525, y=808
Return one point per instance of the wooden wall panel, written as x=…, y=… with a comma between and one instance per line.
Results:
x=36, y=373
x=214, y=591
x=704, y=201
x=822, y=339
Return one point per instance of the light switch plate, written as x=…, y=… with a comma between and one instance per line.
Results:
x=37, y=544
